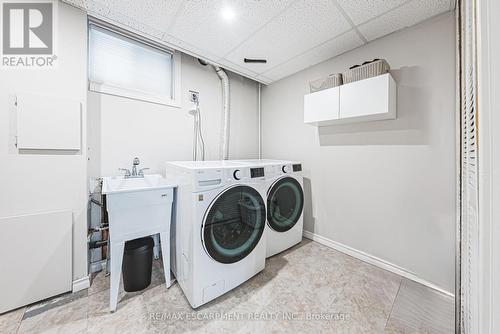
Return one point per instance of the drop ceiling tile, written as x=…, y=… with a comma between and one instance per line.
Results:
x=407, y=15
x=300, y=27
x=258, y=12
x=106, y=10
x=200, y=22
x=332, y=48
x=364, y=10
x=156, y=14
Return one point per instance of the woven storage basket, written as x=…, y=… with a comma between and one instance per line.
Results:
x=372, y=69
x=333, y=80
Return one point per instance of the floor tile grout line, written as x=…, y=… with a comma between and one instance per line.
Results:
x=18, y=325
x=21, y=319
x=394, y=302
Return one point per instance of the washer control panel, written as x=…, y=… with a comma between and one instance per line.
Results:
x=256, y=172
x=286, y=169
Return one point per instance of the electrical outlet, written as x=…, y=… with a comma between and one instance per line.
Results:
x=194, y=96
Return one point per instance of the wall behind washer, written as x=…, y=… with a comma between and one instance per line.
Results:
x=384, y=188
x=120, y=128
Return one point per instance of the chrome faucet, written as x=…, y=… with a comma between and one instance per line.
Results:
x=134, y=173
x=135, y=163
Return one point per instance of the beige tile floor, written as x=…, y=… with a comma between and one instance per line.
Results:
x=308, y=289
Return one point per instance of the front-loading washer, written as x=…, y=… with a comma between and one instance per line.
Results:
x=283, y=182
x=218, y=230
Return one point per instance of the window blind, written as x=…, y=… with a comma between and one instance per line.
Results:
x=124, y=66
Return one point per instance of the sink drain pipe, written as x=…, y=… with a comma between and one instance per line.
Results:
x=226, y=107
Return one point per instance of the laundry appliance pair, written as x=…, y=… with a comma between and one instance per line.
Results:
x=283, y=183
x=225, y=212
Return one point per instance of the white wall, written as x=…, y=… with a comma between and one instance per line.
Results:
x=122, y=128
x=33, y=183
x=385, y=188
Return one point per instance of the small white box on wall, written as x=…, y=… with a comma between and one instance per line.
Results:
x=47, y=123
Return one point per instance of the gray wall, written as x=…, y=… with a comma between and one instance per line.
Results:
x=121, y=128
x=384, y=188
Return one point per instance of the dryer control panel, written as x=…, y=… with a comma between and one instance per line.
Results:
x=291, y=168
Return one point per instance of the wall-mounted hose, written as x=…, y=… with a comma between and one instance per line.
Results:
x=226, y=108
x=198, y=141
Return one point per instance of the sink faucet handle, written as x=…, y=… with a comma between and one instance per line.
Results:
x=141, y=171
x=127, y=172
x=136, y=161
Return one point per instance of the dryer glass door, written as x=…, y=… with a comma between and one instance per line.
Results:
x=234, y=224
x=285, y=202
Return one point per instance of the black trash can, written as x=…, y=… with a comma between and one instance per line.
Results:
x=137, y=264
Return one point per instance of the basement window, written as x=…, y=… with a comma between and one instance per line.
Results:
x=125, y=65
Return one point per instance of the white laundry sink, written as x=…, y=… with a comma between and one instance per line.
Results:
x=137, y=207
x=119, y=184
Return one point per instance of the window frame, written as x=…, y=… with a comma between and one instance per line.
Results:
x=172, y=101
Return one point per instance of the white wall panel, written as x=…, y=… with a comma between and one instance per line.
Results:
x=48, y=181
x=35, y=257
x=48, y=123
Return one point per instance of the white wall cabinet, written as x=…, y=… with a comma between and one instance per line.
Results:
x=365, y=100
x=322, y=106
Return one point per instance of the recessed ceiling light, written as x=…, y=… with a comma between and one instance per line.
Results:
x=228, y=14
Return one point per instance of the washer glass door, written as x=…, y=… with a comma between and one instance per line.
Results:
x=285, y=202
x=234, y=224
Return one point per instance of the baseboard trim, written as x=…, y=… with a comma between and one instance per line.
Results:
x=378, y=262
x=81, y=283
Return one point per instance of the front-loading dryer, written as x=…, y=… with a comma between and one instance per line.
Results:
x=284, y=201
x=218, y=230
